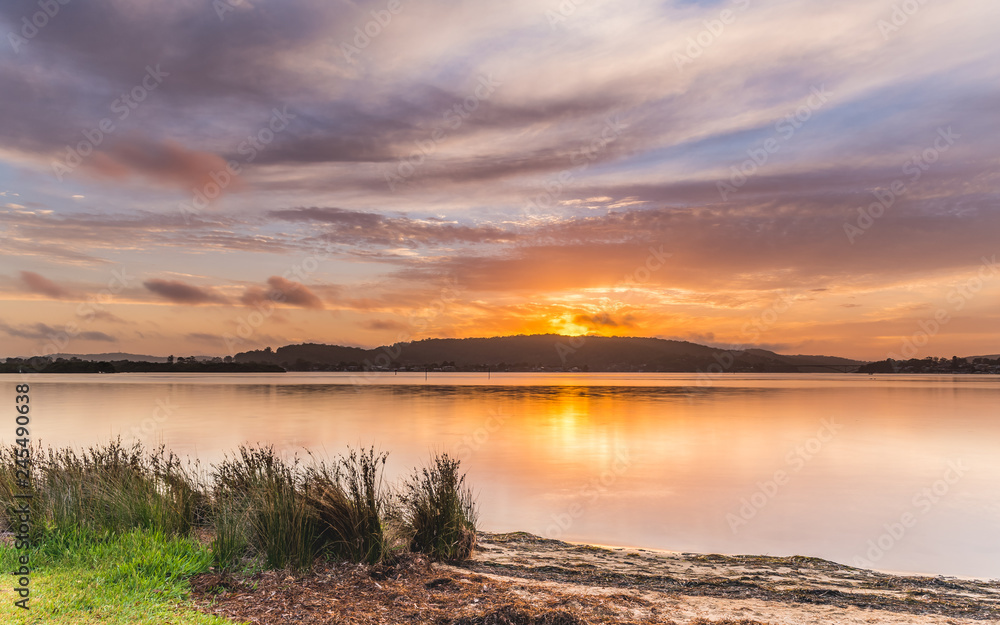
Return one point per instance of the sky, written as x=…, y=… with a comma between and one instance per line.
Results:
x=211, y=176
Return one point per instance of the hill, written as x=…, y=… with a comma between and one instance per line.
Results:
x=541, y=352
x=109, y=357
x=43, y=364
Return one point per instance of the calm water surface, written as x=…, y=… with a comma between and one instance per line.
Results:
x=900, y=471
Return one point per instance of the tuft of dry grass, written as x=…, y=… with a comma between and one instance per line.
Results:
x=440, y=511
x=349, y=501
x=108, y=488
x=265, y=510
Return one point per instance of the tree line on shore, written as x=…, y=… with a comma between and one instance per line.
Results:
x=933, y=364
x=44, y=364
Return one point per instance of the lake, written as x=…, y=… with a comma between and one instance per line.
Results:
x=893, y=472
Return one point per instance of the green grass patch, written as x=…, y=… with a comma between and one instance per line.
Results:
x=82, y=577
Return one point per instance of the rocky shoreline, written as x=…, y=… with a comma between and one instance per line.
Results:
x=792, y=581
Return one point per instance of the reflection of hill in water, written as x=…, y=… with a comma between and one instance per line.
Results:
x=500, y=392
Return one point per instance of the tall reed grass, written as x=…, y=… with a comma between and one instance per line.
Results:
x=439, y=510
x=262, y=509
x=350, y=502
x=109, y=488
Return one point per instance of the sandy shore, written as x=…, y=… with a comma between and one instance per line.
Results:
x=523, y=579
x=687, y=586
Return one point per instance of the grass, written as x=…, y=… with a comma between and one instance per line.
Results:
x=108, y=488
x=82, y=577
x=265, y=511
x=350, y=502
x=288, y=515
x=439, y=510
x=112, y=525
x=285, y=514
x=260, y=510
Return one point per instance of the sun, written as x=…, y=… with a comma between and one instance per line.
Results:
x=566, y=326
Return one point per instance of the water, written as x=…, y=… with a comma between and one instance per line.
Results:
x=897, y=473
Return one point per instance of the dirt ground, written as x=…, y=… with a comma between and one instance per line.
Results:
x=520, y=579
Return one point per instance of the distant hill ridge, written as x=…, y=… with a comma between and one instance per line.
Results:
x=109, y=357
x=546, y=351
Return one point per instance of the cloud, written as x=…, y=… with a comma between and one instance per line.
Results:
x=36, y=331
x=521, y=196
x=59, y=235
x=284, y=291
x=604, y=320
x=104, y=315
x=752, y=246
x=96, y=336
x=203, y=337
x=182, y=293
x=42, y=331
x=37, y=283
x=702, y=338
x=384, y=325
x=165, y=163
x=357, y=227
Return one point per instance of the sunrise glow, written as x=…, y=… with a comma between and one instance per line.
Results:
x=808, y=179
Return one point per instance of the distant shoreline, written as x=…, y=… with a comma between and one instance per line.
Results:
x=24, y=366
x=265, y=368
x=539, y=353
